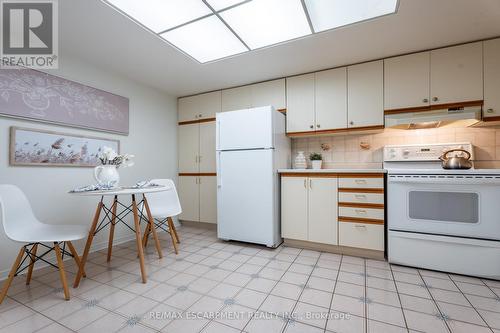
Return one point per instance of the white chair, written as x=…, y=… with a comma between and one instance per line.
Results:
x=163, y=206
x=21, y=225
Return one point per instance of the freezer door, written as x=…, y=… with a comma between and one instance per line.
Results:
x=245, y=129
x=246, y=201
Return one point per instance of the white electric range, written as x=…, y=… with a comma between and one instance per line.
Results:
x=446, y=220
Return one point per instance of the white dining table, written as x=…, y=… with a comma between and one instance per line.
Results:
x=112, y=217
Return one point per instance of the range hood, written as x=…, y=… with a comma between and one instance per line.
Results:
x=452, y=117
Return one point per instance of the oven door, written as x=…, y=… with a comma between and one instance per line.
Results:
x=465, y=206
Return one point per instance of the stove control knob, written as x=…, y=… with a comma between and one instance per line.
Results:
x=406, y=152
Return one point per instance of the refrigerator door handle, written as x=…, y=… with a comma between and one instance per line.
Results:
x=219, y=174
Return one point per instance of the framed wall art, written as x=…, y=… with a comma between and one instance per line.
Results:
x=47, y=148
x=30, y=94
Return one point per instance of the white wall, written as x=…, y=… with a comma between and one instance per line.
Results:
x=152, y=139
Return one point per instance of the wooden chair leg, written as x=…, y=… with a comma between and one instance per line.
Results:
x=175, y=233
x=140, y=248
x=76, y=257
x=62, y=273
x=88, y=244
x=172, y=234
x=32, y=263
x=112, y=228
x=12, y=273
x=152, y=227
x=145, y=237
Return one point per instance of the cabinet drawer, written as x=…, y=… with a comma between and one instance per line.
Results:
x=372, y=198
x=362, y=235
x=355, y=182
x=362, y=213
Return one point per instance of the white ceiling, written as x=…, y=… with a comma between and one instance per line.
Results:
x=93, y=31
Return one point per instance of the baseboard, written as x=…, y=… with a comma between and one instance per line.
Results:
x=95, y=247
x=204, y=225
x=351, y=251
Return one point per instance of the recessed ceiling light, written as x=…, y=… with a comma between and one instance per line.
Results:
x=205, y=40
x=222, y=4
x=160, y=15
x=261, y=23
x=330, y=14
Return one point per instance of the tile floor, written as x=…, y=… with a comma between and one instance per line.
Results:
x=213, y=286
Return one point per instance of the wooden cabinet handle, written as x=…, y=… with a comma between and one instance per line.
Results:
x=435, y=99
x=360, y=196
x=360, y=181
x=305, y=183
x=360, y=226
x=310, y=183
x=489, y=111
x=425, y=100
x=361, y=211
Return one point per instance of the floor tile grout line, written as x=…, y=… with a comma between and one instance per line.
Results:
x=365, y=276
x=333, y=292
x=472, y=306
x=302, y=289
x=52, y=321
x=269, y=293
x=400, y=303
x=435, y=303
x=225, y=305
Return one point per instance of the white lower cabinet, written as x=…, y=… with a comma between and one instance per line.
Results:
x=189, y=196
x=294, y=207
x=362, y=235
x=208, y=199
x=323, y=210
x=334, y=209
x=198, y=197
x=309, y=209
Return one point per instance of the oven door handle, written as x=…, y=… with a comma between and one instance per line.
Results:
x=445, y=180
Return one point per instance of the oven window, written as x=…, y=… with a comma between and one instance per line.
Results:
x=444, y=206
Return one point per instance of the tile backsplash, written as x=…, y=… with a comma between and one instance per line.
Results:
x=365, y=150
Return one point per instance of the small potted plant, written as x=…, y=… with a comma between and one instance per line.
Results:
x=316, y=160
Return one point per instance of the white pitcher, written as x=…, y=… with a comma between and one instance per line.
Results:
x=107, y=175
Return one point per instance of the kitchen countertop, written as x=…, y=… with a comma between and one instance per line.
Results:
x=338, y=170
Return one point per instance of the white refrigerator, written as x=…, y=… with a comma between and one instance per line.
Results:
x=251, y=147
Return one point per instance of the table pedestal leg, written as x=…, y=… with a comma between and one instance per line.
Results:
x=88, y=244
x=152, y=227
x=140, y=249
x=112, y=228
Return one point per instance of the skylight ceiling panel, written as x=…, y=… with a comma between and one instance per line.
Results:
x=262, y=23
x=223, y=4
x=330, y=14
x=160, y=15
x=205, y=40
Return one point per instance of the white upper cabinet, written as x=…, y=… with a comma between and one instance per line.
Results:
x=189, y=143
x=331, y=99
x=207, y=147
x=201, y=106
x=365, y=94
x=236, y=98
x=492, y=78
x=406, y=81
x=269, y=93
x=457, y=74
x=322, y=211
x=300, y=103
